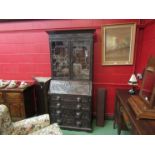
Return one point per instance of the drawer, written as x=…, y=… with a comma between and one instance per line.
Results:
x=62, y=113
x=71, y=122
x=62, y=105
x=77, y=99
x=84, y=115
x=83, y=123
x=69, y=113
x=62, y=121
x=70, y=98
x=69, y=105
x=17, y=110
x=14, y=97
x=55, y=104
x=55, y=97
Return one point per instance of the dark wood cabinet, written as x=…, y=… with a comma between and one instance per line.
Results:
x=19, y=101
x=70, y=90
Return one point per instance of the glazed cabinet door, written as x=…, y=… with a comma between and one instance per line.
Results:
x=60, y=57
x=81, y=59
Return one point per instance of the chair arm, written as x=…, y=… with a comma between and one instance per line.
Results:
x=52, y=129
x=29, y=125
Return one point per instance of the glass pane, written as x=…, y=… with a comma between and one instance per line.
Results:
x=81, y=59
x=60, y=59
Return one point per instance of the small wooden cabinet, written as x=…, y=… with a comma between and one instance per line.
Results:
x=19, y=101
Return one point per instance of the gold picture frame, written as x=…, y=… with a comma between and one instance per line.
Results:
x=118, y=44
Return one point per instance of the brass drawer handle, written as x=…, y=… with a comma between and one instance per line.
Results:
x=78, y=99
x=78, y=114
x=58, y=105
x=59, y=121
x=78, y=106
x=58, y=112
x=58, y=98
x=78, y=123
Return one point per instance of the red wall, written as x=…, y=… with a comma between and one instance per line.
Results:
x=147, y=46
x=24, y=52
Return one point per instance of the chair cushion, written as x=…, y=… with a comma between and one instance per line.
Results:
x=38, y=125
x=30, y=125
x=52, y=129
x=6, y=126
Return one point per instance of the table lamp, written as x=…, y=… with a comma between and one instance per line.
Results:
x=133, y=82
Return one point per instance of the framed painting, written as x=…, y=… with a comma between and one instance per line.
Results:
x=118, y=44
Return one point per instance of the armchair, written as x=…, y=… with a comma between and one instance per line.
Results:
x=38, y=125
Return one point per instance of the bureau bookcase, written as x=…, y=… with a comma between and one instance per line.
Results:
x=70, y=90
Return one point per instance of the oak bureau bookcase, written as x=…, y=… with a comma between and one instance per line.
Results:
x=70, y=90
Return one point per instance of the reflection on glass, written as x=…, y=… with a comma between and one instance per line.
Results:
x=148, y=84
x=81, y=60
x=60, y=59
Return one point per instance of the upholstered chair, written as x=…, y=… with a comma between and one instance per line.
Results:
x=38, y=125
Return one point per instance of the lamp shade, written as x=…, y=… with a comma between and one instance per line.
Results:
x=132, y=80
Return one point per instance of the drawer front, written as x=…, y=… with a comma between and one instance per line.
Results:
x=14, y=97
x=17, y=111
x=83, y=115
x=70, y=105
x=62, y=113
x=71, y=122
x=70, y=102
x=68, y=113
x=70, y=98
x=70, y=117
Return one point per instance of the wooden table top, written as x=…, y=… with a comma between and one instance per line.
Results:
x=143, y=126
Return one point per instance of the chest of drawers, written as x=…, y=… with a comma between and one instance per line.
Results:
x=19, y=101
x=71, y=110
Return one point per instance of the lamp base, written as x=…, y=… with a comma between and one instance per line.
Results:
x=132, y=92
